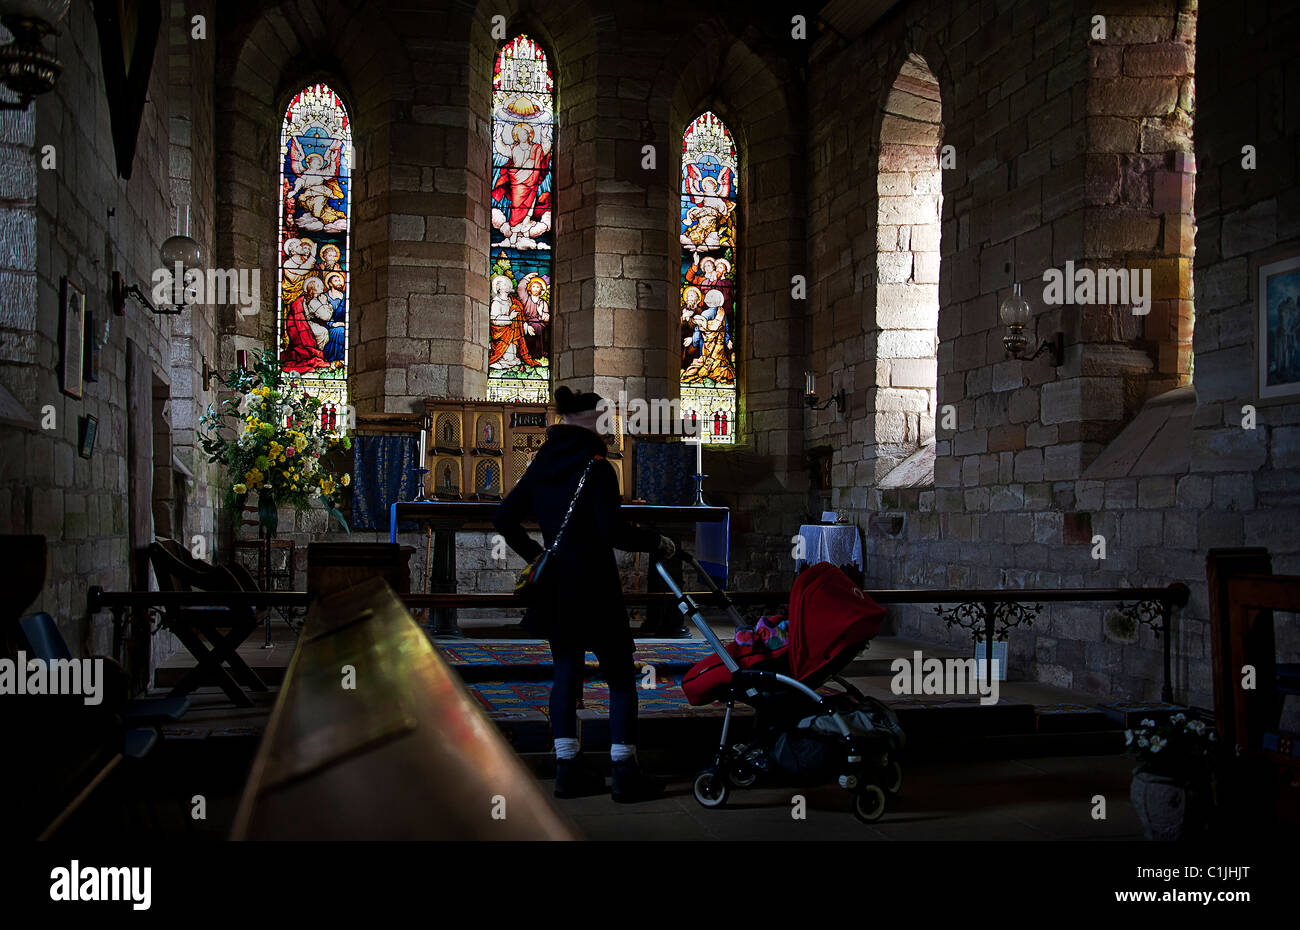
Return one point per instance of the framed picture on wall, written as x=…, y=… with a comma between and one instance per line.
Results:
x=1278, y=345
x=86, y=435
x=72, y=338
x=90, y=368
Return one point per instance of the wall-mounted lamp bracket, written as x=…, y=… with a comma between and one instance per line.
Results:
x=1016, y=344
x=838, y=399
x=121, y=291
x=208, y=374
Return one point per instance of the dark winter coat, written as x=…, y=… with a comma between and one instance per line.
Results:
x=582, y=594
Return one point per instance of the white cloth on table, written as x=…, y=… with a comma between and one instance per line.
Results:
x=840, y=545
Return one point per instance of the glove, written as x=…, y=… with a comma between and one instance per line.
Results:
x=666, y=550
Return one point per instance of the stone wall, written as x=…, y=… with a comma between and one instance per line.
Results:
x=68, y=213
x=1070, y=147
x=1246, y=217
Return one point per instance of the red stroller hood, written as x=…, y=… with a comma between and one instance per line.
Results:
x=828, y=614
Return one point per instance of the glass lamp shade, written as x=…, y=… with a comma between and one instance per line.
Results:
x=1014, y=311
x=182, y=249
x=48, y=11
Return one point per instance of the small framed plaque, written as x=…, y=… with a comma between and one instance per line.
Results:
x=87, y=426
x=72, y=332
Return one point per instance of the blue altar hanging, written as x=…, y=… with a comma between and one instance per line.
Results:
x=713, y=549
x=663, y=473
x=664, y=476
x=383, y=471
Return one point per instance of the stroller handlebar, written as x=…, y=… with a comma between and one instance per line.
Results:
x=692, y=612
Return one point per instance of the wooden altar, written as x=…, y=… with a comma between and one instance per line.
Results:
x=446, y=518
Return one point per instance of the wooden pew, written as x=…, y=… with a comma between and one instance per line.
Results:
x=403, y=754
x=1244, y=596
x=55, y=750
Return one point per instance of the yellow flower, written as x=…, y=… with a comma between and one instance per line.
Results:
x=347, y=479
x=241, y=489
x=300, y=443
x=253, y=476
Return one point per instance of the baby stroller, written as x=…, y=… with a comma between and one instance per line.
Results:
x=801, y=737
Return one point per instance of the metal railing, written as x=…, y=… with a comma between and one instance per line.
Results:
x=988, y=613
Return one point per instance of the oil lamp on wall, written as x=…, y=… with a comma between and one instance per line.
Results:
x=1014, y=314
x=27, y=67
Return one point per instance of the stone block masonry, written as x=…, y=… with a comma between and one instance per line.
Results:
x=1083, y=151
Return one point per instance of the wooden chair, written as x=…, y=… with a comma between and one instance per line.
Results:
x=176, y=570
x=258, y=546
x=41, y=639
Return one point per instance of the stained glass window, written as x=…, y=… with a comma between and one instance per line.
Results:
x=708, y=305
x=315, y=214
x=523, y=135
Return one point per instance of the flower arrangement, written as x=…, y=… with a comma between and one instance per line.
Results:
x=269, y=439
x=1179, y=746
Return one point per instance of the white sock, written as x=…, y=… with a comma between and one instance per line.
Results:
x=566, y=748
x=622, y=752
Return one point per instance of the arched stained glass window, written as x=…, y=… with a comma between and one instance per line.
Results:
x=315, y=216
x=520, y=258
x=709, y=296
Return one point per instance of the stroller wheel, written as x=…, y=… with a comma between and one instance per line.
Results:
x=868, y=803
x=711, y=789
x=742, y=774
x=892, y=778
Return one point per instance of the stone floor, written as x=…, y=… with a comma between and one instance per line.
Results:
x=1045, y=796
x=1011, y=799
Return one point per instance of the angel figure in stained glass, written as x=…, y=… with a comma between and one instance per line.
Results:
x=707, y=223
x=317, y=183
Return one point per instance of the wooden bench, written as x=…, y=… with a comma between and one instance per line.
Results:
x=405, y=753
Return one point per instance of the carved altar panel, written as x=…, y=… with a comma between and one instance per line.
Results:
x=487, y=477
x=487, y=430
x=524, y=448
x=446, y=477
x=479, y=449
x=447, y=432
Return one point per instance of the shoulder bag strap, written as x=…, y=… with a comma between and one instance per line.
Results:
x=572, y=503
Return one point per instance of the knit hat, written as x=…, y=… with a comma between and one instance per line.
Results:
x=585, y=410
x=569, y=401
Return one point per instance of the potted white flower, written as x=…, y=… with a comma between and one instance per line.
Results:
x=1173, y=784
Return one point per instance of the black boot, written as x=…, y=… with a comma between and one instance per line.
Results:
x=574, y=780
x=632, y=785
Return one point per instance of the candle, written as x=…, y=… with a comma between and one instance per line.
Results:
x=810, y=384
x=699, y=456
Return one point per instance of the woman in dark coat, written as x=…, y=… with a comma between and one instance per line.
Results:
x=580, y=605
